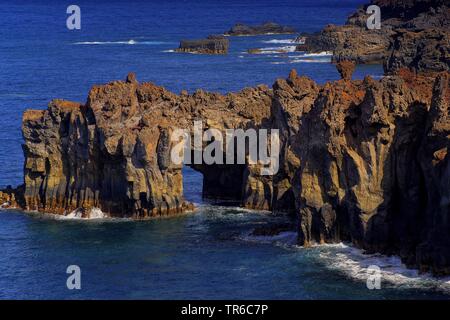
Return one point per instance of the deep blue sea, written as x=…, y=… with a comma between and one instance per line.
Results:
x=208, y=254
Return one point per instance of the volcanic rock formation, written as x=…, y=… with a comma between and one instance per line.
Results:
x=414, y=34
x=364, y=161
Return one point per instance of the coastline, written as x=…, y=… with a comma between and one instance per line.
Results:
x=345, y=166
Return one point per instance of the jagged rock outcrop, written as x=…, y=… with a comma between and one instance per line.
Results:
x=346, y=69
x=240, y=29
x=113, y=152
x=357, y=155
x=413, y=34
x=211, y=45
x=364, y=161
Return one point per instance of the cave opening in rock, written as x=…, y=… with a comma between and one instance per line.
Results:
x=217, y=184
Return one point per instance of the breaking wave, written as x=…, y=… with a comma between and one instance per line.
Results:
x=355, y=264
x=319, y=54
x=92, y=214
x=280, y=41
x=276, y=50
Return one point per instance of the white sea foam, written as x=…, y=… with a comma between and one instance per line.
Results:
x=280, y=41
x=355, y=264
x=128, y=42
x=94, y=213
x=310, y=61
x=302, y=61
x=276, y=50
x=320, y=54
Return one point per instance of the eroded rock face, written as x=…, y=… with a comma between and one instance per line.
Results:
x=422, y=51
x=364, y=161
x=413, y=34
x=354, y=155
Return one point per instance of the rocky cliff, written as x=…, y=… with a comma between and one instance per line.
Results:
x=365, y=164
x=364, y=161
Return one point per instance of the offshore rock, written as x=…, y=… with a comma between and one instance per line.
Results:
x=211, y=45
x=240, y=29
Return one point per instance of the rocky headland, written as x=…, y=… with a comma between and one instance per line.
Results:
x=213, y=44
x=413, y=34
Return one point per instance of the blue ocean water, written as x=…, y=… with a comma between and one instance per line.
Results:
x=205, y=255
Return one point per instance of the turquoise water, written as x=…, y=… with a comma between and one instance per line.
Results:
x=209, y=254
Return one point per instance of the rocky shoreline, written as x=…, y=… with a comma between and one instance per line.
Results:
x=413, y=34
x=364, y=161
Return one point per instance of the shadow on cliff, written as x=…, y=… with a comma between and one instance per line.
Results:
x=396, y=225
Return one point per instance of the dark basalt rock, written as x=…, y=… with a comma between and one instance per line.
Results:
x=240, y=29
x=211, y=45
x=271, y=230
